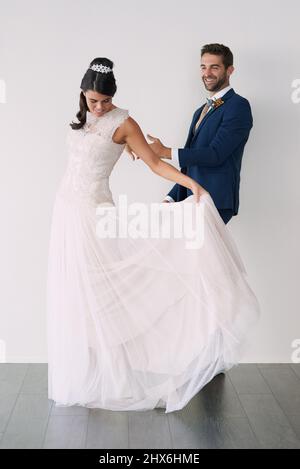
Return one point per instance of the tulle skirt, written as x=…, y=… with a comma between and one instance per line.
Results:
x=145, y=322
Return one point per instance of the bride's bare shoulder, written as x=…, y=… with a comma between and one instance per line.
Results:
x=127, y=128
x=130, y=124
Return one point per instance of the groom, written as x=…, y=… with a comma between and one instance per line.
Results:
x=218, y=133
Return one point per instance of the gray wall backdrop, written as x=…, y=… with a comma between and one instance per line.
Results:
x=46, y=46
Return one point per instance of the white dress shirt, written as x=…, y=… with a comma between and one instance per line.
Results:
x=174, y=151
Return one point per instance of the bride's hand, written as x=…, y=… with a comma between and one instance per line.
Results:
x=198, y=191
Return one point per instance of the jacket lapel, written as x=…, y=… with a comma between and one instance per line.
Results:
x=224, y=98
x=192, y=126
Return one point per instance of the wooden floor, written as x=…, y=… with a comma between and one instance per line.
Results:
x=252, y=406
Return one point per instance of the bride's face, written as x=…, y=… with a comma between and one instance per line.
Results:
x=97, y=103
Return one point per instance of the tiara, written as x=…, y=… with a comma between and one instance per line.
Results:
x=100, y=68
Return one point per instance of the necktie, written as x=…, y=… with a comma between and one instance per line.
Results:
x=205, y=110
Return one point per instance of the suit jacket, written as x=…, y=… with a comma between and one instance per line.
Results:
x=213, y=155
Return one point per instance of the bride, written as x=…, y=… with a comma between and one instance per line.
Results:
x=135, y=323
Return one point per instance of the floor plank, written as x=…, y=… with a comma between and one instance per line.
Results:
x=27, y=425
x=247, y=379
x=107, y=429
x=285, y=386
x=219, y=398
x=296, y=368
x=66, y=432
x=7, y=403
x=149, y=429
x=11, y=377
x=268, y=421
x=36, y=379
x=251, y=406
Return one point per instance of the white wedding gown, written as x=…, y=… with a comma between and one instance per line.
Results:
x=135, y=324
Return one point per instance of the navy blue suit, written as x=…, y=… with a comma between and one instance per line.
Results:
x=213, y=155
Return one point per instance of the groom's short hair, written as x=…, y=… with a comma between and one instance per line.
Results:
x=219, y=49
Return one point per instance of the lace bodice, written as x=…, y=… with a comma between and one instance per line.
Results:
x=92, y=155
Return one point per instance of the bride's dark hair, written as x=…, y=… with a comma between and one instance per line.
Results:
x=103, y=83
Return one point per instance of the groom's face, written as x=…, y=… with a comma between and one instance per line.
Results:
x=214, y=75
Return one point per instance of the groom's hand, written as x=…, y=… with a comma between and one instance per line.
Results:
x=158, y=148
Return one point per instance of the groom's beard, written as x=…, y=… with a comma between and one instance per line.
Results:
x=217, y=85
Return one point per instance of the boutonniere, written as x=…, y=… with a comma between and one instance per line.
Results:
x=217, y=103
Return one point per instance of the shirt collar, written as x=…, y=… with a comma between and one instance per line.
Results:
x=220, y=93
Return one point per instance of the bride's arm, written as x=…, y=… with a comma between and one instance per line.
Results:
x=131, y=133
